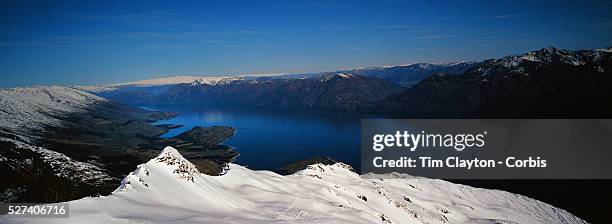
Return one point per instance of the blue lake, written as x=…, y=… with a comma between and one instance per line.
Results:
x=270, y=138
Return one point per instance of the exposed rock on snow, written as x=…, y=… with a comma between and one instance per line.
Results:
x=548, y=55
x=61, y=165
x=329, y=77
x=25, y=113
x=168, y=189
x=216, y=80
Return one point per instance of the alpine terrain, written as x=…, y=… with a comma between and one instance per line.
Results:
x=59, y=143
x=169, y=189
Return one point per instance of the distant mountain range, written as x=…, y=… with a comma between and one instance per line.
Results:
x=340, y=90
x=329, y=91
x=403, y=75
x=546, y=83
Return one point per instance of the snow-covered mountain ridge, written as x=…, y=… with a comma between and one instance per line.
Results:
x=216, y=80
x=544, y=57
x=51, y=139
x=405, y=75
x=395, y=73
x=168, y=190
x=24, y=110
x=25, y=113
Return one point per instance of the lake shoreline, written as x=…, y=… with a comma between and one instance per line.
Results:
x=113, y=139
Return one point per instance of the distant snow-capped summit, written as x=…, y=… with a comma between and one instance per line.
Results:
x=335, y=76
x=168, y=189
x=551, y=54
x=166, y=81
x=216, y=80
x=173, y=80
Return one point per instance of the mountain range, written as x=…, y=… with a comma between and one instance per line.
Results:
x=547, y=82
x=409, y=75
x=331, y=91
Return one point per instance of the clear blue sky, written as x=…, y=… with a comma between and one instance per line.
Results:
x=86, y=42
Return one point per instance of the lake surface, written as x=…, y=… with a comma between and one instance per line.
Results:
x=270, y=138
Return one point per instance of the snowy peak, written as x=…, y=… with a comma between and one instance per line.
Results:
x=336, y=76
x=216, y=81
x=608, y=49
x=198, y=82
x=528, y=63
x=168, y=164
x=550, y=54
x=169, y=151
x=176, y=162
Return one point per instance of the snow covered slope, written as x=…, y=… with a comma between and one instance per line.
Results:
x=25, y=113
x=27, y=110
x=169, y=189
